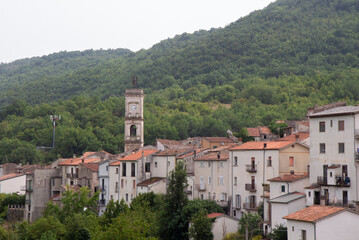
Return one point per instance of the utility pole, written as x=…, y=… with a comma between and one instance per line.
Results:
x=53, y=118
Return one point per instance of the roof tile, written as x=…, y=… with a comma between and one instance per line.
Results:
x=313, y=213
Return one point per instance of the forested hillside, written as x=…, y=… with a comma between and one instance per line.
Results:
x=272, y=64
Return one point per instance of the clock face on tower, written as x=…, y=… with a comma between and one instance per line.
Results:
x=133, y=107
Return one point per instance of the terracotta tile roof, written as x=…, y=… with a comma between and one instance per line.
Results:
x=86, y=154
x=150, y=181
x=136, y=156
x=117, y=163
x=77, y=161
x=92, y=166
x=260, y=145
x=219, y=139
x=302, y=136
x=264, y=130
x=214, y=156
x=253, y=132
x=214, y=215
x=288, y=178
x=313, y=213
x=11, y=175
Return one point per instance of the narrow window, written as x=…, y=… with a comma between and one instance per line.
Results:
x=283, y=188
x=155, y=164
x=341, y=125
x=341, y=147
x=322, y=147
x=291, y=161
x=221, y=164
x=269, y=161
x=235, y=181
x=134, y=183
x=121, y=183
x=209, y=180
x=126, y=197
x=133, y=131
x=321, y=126
x=106, y=168
x=209, y=163
x=148, y=167
x=133, y=169
x=235, y=161
x=221, y=180
x=124, y=169
x=116, y=170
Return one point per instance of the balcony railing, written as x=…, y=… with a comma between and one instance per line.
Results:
x=322, y=180
x=29, y=189
x=102, y=202
x=71, y=175
x=250, y=187
x=201, y=187
x=103, y=188
x=250, y=206
x=251, y=168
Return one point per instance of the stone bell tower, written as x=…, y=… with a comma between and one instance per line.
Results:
x=134, y=117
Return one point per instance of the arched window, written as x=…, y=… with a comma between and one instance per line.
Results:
x=133, y=131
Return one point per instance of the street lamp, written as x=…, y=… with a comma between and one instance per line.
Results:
x=53, y=118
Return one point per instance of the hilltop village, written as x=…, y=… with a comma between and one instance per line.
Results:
x=306, y=180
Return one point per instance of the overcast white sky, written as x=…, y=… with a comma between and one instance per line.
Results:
x=39, y=27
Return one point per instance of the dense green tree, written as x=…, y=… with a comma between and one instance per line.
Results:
x=250, y=221
x=201, y=227
x=279, y=232
x=173, y=225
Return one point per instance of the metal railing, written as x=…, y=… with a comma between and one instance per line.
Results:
x=251, y=187
x=250, y=205
x=251, y=168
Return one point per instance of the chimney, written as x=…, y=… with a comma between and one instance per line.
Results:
x=297, y=137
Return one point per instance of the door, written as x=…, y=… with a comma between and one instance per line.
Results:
x=345, y=198
x=316, y=197
x=325, y=174
x=326, y=197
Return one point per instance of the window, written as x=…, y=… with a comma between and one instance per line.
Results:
x=322, y=147
x=234, y=213
x=116, y=189
x=331, y=123
x=148, y=167
x=134, y=183
x=221, y=164
x=341, y=147
x=341, y=125
x=269, y=164
x=283, y=188
x=201, y=196
x=116, y=170
x=121, y=183
x=155, y=164
x=133, y=169
x=133, y=131
x=238, y=201
x=291, y=161
x=235, y=161
x=224, y=197
x=201, y=164
x=235, y=181
x=321, y=126
x=304, y=235
x=126, y=197
x=209, y=180
x=124, y=169
x=221, y=180
x=309, y=194
x=106, y=168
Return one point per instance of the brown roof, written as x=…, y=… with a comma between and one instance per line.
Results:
x=214, y=215
x=253, y=132
x=11, y=175
x=264, y=130
x=172, y=152
x=86, y=154
x=150, y=181
x=302, y=136
x=288, y=178
x=77, y=161
x=214, y=156
x=92, y=166
x=117, y=163
x=313, y=213
x=219, y=139
x=171, y=143
x=260, y=145
x=138, y=155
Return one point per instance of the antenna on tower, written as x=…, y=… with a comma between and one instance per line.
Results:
x=53, y=118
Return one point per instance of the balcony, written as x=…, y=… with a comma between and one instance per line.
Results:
x=201, y=187
x=102, y=202
x=250, y=205
x=29, y=189
x=222, y=203
x=71, y=175
x=322, y=180
x=251, y=168
x=250, y=187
